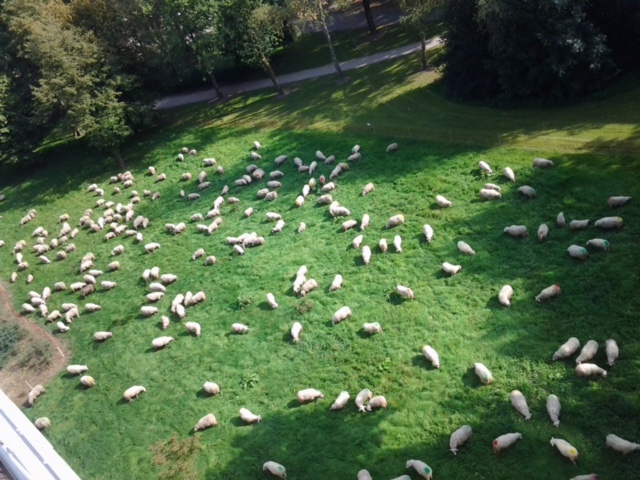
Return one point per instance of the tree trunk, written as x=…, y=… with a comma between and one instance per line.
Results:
x=327, y=35
x=216, y=87
x=366, y=4
x=423, y=51
x=118, y=156
x=267, y=68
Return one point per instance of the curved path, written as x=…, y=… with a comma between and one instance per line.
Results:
x=174, y=101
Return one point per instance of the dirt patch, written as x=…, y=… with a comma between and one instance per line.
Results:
x=37, y=356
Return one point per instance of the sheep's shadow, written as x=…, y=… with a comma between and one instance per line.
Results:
x=470, y=379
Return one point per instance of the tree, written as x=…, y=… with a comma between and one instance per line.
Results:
x=418, y=14
x=262, y=35
x=313, y=13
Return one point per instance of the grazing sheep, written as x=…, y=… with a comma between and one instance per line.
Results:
x=341, y=401
x=365, y=222
x=527, y=191
x=247, y=417
x=211, y=388
x=335, y=210
x=26, y=308
x=61, y=255
x=611, y=347
x=588, y=352
x=296, y=330
x=210, y=260
x=619, y=201
x=542, y=163
x=553, y=409
x=34, y=394
x=88, y=289
x=87, y=381
x=307, y=286
x=193, y=327
x=450, y=268
x=198, y=254
x=151, y=247
x=465, y=248
x=148, y=311
x=68, y=306
x=382, y=245
x=275, y=469
x=567, y=349
x=621, y=445
x=609, y=222
x=395, y=221
x=443, y=202
x=372, y=328
x=76, y=369
x=565, y=448
x=279, y=226
x=405, y=292
x=459, y=438
x=520, y=403
x=14, y=277
x=131, y=393
x=161, y=177
x=549, y=293
x=366, y=255
x=165, y=322
x=483, y=373
x=421, y=468
x=397, y=243
x=431, y=355
x=590, y=369
x=368, y=188
x=302, y=227
x=193, y=196
x=517, y=231
x=272, y=300
x=255, y=156
x=328, y=187
x=271, y=196
x=356, y=242
x=492, y=186
x=489, y=194
x=348, y=225
x=377, y=402
x=393, y=147
x=508, y=173
x=62, y=328
x=578, y=252
x=505, y=441
x=239, y=328
x=578, y=224
x=42, y=423
x=361, y=398
x=280, y=159
x=341, y=314
x=309, y=395
x=119, y=250
x=54, y=316
x=505, y=295
x=161, y=342
x=599, y=243
x=102, y=336
x=238, y=250
x=428, y=232
x=157, y=287
x=155, y=296
x=71, y=314
x=484, y=167
x=543, y=231
x=336, y=284
x=92, y=307
x=299, y=201
x=168, y=278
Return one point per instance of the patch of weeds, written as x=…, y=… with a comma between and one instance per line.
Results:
x=243, y=302
x=249, y=380
x=10, y=335
x=35, y=356
x=176, y=458
x=305, y=306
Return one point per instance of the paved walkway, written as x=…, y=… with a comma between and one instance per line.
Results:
x=174, y=101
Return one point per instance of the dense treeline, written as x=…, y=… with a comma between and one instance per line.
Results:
x=542, y=51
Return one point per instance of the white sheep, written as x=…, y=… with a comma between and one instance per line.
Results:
x=76, y=369
x=405, y=292
x=443, y=202
x=211, y=388
x=431, y=355
x=92, y=307
x=154, y=296
x=489, y=194
x=341, y=314
x=328, y=187
x=505, y=441
x=302, y=227
x=608, y=222
x=517, y=230
x=618, y=201
x=465, y=248
x=483, y=373
x=450, y=268
x=428, y=232
x=42, y=423
x=148, y=311
x=361, y=398
x=590, y=369
x=193, y=327
x=296, y=330
x=588, y=352
x=542, y=163
x=131, y=393
x=62, y=328
x=87, y=381
x=578, y=224
x=168, y=278
x=239, y=328
x=161, y=342
x=612, y=350
x=548, y=293
x=309, y=395
x=520, y=403
x=484, y=167
x=54, y=316
x=341, y=401
x=397, y=243
x=621, y=445
x=210, y=260
x=508, y=173
x=377, y=402
x=151, y=247
x=382, y=245
x=553, y=409
x=459, y=438
x=505, y=295
x=565, y=448
x=102, y=336
x=368, y=188
x=543, y=232
x=576, y=251
x=395, y=221
x=372, y=328
x=366, y=254
x=336, y=284
x=275, y=469
x=421, y=468
x=599, y=243
x=307, y=286
x=279, y=226
x=272, y=300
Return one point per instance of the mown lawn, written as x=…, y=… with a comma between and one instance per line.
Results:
x=104, y=438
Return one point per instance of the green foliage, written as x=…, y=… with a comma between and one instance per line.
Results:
x=304, y=307
x=249, y=380
x=177, y=459
x=10, y=335
x=243, y=302
x=264, y=32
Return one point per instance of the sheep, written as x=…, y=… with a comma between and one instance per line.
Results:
x=161, y=177
x=619, y=201
x=542, y=163
x=431, y=355
x=42, y=423
x=336, y=284
x=465, y=248
x=578, y=252
x=588, y=352
x=590, y=369
x=271, y=196
x=24, y=266
x=238, y=250
x=193, y=196
x=621, y=445
x=161, y=342
x=543, y=232
x=608, y=222
x=168, y=278
x=89, y=279
x=421, y=468
x=549, y=293
x=489, y=194
x=505, y=295
x=395, y=221
x=341, y=314
x=275, y=469
x=611, y=347
x=76, y=369
x=307, y=286
x=148, y=311
x=119, y=250
x=361, y=398
x=553, y=409
x=131, y=393
x=255, y=156
x=199, y=297
x=459, y=437
x=567, y=349
x=155, y=196
x=328, y=187
x=34, y=393
x=397, y=243
x=26, y=308
x=341, y=401
x=348, y=225
x=68, y=306
x=54, y=316
x=382, y=245
x=87, y=381
x=302, y=227
x=29, y=277
x=405, y=292
x=393, y=147
x=296, y=330
x=61, y=255
x=14, y=277
x=517, y=231
x=372, y=328
x=280, y=159
x=154, y=296
x=272, y=216
x=484, y=167
x=247, y=417
x=211, y=388
x=71, y=314
x=450, y=268
x=527, y=191
x=520, y=403
x=366, y=255
x=483, y=373
x=210, y=260
x=599, y=243
x=272, y=300
x=377, y=402
x=578, y=224
x=443, y=202
x=355, y=157
x=193, y=327
x=233, y=200
x=62, y=328
x=164, y=322
x=508, y=173
x=368, y=188
x=565, y=448
x=92, y=307
x=335, y=210
x=428, y=232
x=505, y=441
x=309, y=395
x=239, y=328
x=151, y=247
x=180, y=227
x=299, y=201
x=193, y=152
x=591, y=476
x=102, y=336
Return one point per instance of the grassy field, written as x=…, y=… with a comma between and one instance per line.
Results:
x=102, y=437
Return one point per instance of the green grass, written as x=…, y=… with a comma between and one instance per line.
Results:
x=104, y=438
